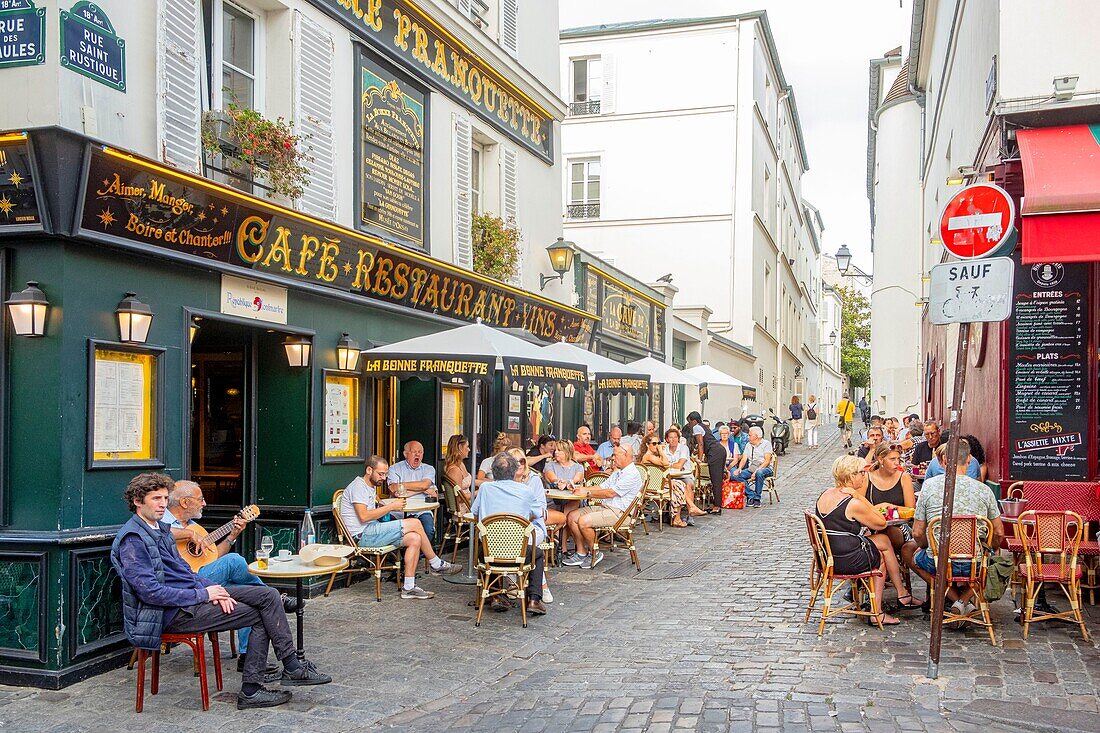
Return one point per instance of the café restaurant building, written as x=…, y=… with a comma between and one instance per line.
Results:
x=166, y=312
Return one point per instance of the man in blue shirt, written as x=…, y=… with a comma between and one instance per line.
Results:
x=606, y=448
x=160, y=594
x=418, y=478
x=506, y=495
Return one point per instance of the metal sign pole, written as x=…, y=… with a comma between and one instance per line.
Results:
x=469, y=577
x=943, y=571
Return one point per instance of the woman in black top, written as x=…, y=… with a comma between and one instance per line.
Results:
x=710, y=451
x=889, y=486
x=845, y=513
x=541, y=452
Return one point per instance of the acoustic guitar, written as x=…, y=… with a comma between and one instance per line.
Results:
x=205, y=551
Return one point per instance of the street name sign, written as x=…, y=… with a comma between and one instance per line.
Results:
x=979, y=221
x=976, y=291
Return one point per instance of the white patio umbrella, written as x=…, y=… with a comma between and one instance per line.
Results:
x=595, y=363
x=707, y=374
x=662, y=373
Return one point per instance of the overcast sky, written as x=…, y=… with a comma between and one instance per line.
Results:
x=824, y=48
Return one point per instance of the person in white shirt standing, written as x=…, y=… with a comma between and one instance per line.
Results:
x=615, y=495
x=813, y=421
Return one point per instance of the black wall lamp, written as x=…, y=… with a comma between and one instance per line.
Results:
x=297, y=350
x=28, y=309
x=134, y=319
x=347, y=353
x=561, y=260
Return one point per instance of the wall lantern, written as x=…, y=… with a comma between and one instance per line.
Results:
x=134, y=319
x=347, y=353
x=194, y=328
x=832, y=338
x=28, y=310
x=843, y=258
x=561, y=260
x=297, y=350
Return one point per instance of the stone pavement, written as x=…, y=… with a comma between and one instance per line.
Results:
x=722, y=650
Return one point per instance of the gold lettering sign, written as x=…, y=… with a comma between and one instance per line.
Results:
x=405, y=32
x=626, y=315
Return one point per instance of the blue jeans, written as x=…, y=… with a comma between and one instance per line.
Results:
x=231, y=569
x=755, y=489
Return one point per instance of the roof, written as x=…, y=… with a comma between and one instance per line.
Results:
x=898, y=92
x=641, y=26
x=900, y=87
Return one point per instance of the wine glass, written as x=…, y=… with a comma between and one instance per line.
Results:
x=267, y=544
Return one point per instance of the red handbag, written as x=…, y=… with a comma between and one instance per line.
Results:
x=733, y=494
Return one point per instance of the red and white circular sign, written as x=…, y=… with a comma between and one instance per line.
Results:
x=978, y=221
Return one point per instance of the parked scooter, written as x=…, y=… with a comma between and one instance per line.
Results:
x=752, y=421
x=780, y=434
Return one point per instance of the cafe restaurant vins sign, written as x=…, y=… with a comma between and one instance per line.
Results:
x=404, y=32
x=132, y=201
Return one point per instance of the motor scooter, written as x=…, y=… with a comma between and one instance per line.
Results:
x=752, y=421
x=780, y=433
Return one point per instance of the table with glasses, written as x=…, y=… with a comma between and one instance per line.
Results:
x=296, y=570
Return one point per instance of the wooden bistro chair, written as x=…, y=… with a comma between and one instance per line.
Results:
x=769, y=482
x=364, y=559
x=1058, y=536
x=623, y=530
x=654, y=491
x=198, y=647
x=823, y=578
x=505, y=540
x=459, y=523
x=703, y=486
x=967, y=547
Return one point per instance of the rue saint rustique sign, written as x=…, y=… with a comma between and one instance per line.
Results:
x=403, y=32
x=132, y=201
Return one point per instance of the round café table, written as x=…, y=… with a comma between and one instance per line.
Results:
x=294, y=569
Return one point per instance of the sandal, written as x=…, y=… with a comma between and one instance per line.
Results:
x=912, y=602
x=884, y=618
x=695, y=512
x=678, y=523
x=714, y=512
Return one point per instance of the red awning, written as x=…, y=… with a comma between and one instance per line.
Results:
x=1061, y=204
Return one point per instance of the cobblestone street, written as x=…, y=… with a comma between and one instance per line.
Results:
x=724, y=649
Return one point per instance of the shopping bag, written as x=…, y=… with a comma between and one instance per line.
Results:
x=733, y=494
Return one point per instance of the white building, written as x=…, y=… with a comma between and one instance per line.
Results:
x=701, y=183
x=893, y=189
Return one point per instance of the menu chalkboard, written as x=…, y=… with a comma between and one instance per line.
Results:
x=1048, y=380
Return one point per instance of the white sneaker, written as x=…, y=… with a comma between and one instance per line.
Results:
x=969, y=608
x=417, y=593
x=547, y=596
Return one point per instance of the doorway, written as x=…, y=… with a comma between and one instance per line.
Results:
x=220, y=407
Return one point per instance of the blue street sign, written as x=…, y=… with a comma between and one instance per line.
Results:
x=22, y=33
x=89, y=45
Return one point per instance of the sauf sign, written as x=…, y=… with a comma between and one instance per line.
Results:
x=976, y=291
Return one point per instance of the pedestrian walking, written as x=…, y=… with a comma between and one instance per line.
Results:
x=813, y=421
x=796, y=419
x=864, y=411
x=846, y=412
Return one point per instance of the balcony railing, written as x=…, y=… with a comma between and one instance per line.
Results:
x=583, y=211
x=591, y=107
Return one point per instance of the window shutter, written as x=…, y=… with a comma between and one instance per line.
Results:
x=466, y=7
x=509, y=200
x=607, y=100
x=463, y=211
x=313, y=114
x=179, y=84
x=509, y=26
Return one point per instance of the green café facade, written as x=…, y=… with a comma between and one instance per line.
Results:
x=158, y=321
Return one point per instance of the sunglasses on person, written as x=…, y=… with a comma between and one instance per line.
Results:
x=654, y=442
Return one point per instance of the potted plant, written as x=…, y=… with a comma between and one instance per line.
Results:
x=248, y=141
x=496, y=247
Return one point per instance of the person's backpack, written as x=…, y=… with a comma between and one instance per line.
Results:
x=811, y=414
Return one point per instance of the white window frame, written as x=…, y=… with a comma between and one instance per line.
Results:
x=586, y=202
x=217, y=57
x=593, y=95
x=477, y=177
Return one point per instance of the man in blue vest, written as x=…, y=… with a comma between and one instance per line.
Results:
x=160, y=594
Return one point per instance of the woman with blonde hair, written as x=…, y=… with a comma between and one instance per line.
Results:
x=812, y=418
x=501, y=443
x=455, y=471
x=846, y=513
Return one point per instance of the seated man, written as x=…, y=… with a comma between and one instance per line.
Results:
x=160, y=595
x=755, y=466
x=615, y=495
x=971, y=497
x=418, y=478
x=185, y=505
x=614, y=439
x=508, y=494
x=361, y=514
x=874, y=437
x=936, y=465
x=583, y=451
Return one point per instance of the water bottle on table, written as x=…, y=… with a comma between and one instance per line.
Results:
x=308, y=532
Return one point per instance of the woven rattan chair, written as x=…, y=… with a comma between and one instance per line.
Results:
x=703, y=487
x=622, y=531
x=1056, y=535
x=769, y=482
x=505, y=540
x=364, y=559
x=459, y=523
x=823, y=578
x=967, y=547
x=596, y=478
x=657, y=493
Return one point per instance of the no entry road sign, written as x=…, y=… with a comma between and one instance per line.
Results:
x=979, y=221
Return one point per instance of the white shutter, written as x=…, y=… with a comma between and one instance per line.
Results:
x=466, y=7
x=179, y=84
x=607, y=98
x=313, y=114
x=463, y=209
x=509, y=200
x=509, y=26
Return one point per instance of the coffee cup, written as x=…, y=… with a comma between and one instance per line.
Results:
x=284, y=555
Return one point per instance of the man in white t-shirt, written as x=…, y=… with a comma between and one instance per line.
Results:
x=755, y=466
x=362, y=517
x=615, y=495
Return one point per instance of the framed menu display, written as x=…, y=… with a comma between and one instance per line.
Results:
x=341, y=420
x=124, y=406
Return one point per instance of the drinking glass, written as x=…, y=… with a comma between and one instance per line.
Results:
x=267, y=544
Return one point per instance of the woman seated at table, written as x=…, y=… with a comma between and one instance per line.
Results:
x=455, y=471
x=485, y=471
x=889, y=486
x=846, y=513
x=541, y=452
x=652, y=455
x=733, y=451
x=679, y=459
x=977, y=452
x=939, y=460
x=563, y=473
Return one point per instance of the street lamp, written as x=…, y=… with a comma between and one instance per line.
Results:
x=832, y=338
x=844, y=264
x=561, y=260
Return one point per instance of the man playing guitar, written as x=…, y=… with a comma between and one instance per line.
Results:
x=218, y=564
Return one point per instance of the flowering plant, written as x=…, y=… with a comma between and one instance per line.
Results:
x=245, y=137
x=496, y=247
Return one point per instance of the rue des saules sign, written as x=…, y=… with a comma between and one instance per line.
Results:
x=132, y=201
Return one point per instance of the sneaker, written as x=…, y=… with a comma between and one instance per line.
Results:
x=589, y=563
x=290, y=605
x=417, y=593
x=446, y=569
x=546, y=594
x=262, y=698
x=969, y=608
x=306, y=674
x=575, y=560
